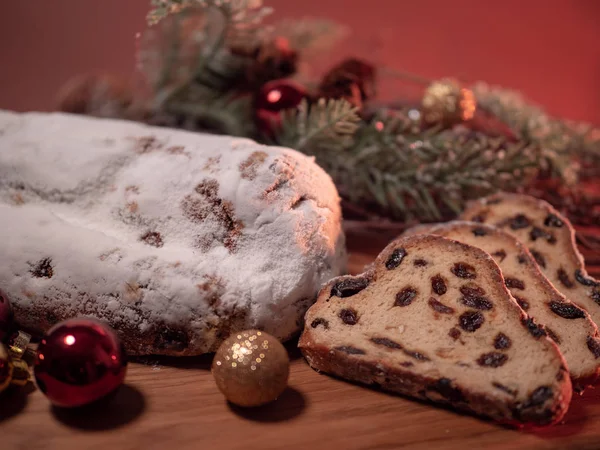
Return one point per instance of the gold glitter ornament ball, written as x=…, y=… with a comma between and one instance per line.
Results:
x=251, y=368
x=448, y=103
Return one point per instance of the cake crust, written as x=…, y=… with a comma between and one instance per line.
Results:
x=175, y=239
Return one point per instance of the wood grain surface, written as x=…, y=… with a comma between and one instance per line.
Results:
x=170, y=403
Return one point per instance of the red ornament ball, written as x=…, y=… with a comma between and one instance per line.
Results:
x=78, y=362
x=6, y=318
x=273, y=98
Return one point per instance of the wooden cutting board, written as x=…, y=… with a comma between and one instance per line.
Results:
x=171, y=403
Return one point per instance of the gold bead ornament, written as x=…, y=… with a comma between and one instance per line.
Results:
x=251, y=368
x=19, y=345
x=12, y=371
x=446, y=102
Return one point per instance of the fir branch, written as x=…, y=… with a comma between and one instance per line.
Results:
x=558, y=140
x=403, y=172
x=222, y=115
x=389, y=165
x=213, y=70
x=163, y=8
x=327, y=125
x=243, y=13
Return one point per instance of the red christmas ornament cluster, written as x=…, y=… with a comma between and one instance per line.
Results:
x=79, y=362
x=352, y=80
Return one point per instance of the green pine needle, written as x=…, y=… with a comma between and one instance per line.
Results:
x=215, y=70
x=558, y=140
x=223, y=115
x=399, y=171
x=327, y=125
x=388, y=166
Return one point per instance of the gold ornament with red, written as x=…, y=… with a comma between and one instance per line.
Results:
x=13, y=370
x=251, y=368
x=446, y=102
x=18, y=344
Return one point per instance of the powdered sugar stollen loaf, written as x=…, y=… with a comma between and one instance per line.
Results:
x=176, y=239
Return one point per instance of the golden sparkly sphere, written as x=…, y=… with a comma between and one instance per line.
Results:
x=446, y=102
x=251, y=368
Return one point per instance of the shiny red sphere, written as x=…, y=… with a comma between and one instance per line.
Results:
x=278, y=95
x=6, y=318
x=78, y=362
x=273, y=98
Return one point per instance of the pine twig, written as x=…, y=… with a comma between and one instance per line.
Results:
x=388, y=166
x=327, y=124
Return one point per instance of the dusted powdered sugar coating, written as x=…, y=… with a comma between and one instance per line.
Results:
x=176, y=239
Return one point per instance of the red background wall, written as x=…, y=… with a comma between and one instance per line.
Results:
x=549, y=49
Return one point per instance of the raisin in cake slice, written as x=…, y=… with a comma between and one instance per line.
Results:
x=432, y=319
x=568, y=325
x=550, y=238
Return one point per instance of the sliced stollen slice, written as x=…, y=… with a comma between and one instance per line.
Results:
x=422, y=228
x=550, y=238
x=568, y=325
x=433, y=319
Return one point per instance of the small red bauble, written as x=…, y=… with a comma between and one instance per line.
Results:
x=78, y=362
x=6, y=318
x=273, y=98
